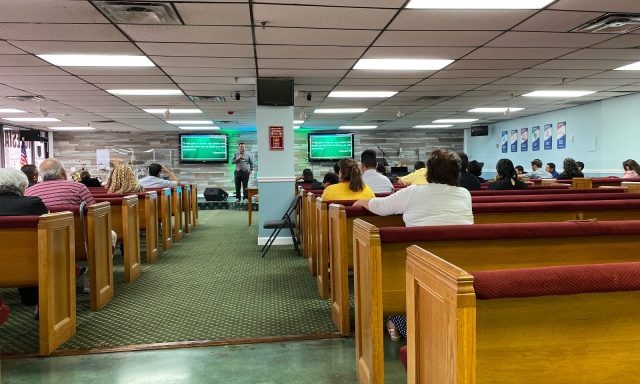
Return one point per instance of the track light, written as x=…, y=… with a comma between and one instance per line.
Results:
x=308, y=96
x=237, y=96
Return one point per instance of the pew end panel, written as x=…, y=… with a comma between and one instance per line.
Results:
x=150, y=219
x=176, y=202
x=194, y=205
x=322, y=248
x=131, y=231
x=312, y=233
x=186, y=208
x=631, y=187
x=100, y=255
x=165, y=218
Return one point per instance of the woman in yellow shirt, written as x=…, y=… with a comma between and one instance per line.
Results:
x=351, y=186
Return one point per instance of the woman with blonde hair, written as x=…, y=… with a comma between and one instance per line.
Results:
x=123, y=180
x=351, y=185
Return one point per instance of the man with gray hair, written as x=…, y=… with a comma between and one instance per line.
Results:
x=55, y=190
x=12, y=203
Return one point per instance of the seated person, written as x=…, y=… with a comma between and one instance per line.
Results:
x=536, y=171
x=439, y=202
x=417, y=177
x=519, y=170
x=88, y=181
x=377, y=182
x=351, y=185
x=467, y=180
x=330, y=178
x=506, y=177
x=154, y=181
x=570, y=169
x=123, y=180
x=13, y=203
x=475, y=168
x=631, y=169
x=580, y=165
x=31, y=171
x=307, y=177
x=551, y=170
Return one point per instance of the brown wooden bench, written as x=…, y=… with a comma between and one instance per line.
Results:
x=186, y=208
x=561, y=324
x=39, y=251
x=545, y=191
x=176, y=202
x=194, y=205
x=380, y=253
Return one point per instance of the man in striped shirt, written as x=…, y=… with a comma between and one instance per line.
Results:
x=55, y=190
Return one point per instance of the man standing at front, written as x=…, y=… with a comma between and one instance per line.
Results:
x=244, y=167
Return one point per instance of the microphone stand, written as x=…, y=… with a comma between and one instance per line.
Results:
x=384, y=155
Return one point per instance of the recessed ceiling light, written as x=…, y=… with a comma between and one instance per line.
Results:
x=433, y=126
x=455, y=120
x=10, y=110
x=558, y=93
x=176, y=111
x=340, y=110
x=358, y=127
x=495, y=110
x=145, y=92
x=192, y=122
x=402, y=64
x=71, y=128
x=188, y=128
x=296, y=127
x=298, y=122
x=362, y=94
x=31, y=119
x=476, y=4
x=98, y=60
x=630, y=67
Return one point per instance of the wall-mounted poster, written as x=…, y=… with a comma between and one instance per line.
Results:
x=505, y=141
x=524, y=139
x=548, y=136
x=535, y=138
x=514, y=140
x=561, y=130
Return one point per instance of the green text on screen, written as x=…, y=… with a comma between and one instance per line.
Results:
x=329, y=147
x=204, y=147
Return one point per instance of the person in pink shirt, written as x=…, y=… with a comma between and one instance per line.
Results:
x=631, y=169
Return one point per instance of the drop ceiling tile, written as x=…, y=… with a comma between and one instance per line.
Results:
x=114, y=79
x=7, y=49
x=617, y=75
x=450, y=53
x=488, y=53
x=46, y=11
x=342, y=3
x=216, y=72
x=631, y=40
x=547, y=39
x=213, y=80
x=610, y=82
x=308, y=52
x=301, y=73
x=222, y=89
x=604, y=54
x=583, y=64
x=435, y=38
x=468, y=80
x=203, y=62
x=493, y=64
x=322, y=17
x=36, y=71
x=77, y=47
x=14, y=80
x=368, y=74
x=557, y=73
x=214, y=14
x=304, y=36
x=442, y=87
x=451, y=74
x=315, y=81
x=306, y=63
x=556, y=21
x=60, y=32
x=379, y=82
x=188, y=34
x=114, y=71
x=38, y=86
x=597, y=6
x=204, y=50
x=458, y=20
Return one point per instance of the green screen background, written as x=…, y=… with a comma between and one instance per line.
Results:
x=328, y=147
x=204, y=148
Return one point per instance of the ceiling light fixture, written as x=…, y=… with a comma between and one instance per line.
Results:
x=362, y=94
x=237, y=96
x=145, y=92
x=433, y=126
x=71, y=128
x=475, y=4
x=10, y=110
x=358, y=127
x=454, y=121
x=296, y=127
x=97, y=60
x=193, y=122
x=188, y=128
x=298, y=122
x=308, y=96
x=176, y=111
x=402, y=64
x=630, y=67
x=495, y=110
x=31, y=119
x=339, y=110
x=558, y=93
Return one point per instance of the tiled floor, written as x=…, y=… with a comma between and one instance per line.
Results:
x=318, y=362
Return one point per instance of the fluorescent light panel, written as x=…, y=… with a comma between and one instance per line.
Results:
x=358, y=127
x=402, y=64
x=455, y=121
x=98, y=60
x=296, y=127
x=71, y=128
x=558, y=93
x=31, y=119
x=630, y=67
x=10, y=110
x=495, y=110
x=478, y=4
x=145, y=92
x=340, y=110
x=176, y=111
x=190, y=122
x=363, y=94
x=187, y=128
x=433, y=126
x=298, y=122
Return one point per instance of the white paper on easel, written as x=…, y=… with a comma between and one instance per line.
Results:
x=102, y=158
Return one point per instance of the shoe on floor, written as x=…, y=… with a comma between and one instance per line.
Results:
x=393, y=331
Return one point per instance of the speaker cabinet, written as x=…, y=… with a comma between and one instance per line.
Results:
x=215, y=194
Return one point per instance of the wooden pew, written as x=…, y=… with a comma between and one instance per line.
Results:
x=536, y=325
x=176, y=202
x=310, y=225
x=39, y=251
x=125, y=222
x=165, y=217
x=631, y=186
x=379, y=263
x=194, y=205
x=555, y=197
x=186, y=208
x=545, y=191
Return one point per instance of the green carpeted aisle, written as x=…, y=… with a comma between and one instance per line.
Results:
x=212, y=285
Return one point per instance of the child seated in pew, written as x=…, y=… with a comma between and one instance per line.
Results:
x=439, y=202
x=351, y=185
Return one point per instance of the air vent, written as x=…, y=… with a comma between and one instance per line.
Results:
x=612, y=23
x=128, y=12
x=379, y=121
x=424, y=99
x=227, y=122
x=103, y=122
x=208, y=99
x=26, y=98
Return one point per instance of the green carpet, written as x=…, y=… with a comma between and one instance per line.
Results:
x=212, y=285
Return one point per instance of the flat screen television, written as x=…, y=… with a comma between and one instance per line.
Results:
x=204, y=148
x=275, y=91
x=329, y=146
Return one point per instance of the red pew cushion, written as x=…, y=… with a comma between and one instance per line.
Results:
x=19, y=221
x=543, y=206
x=531, y=191
x=555, y=197
x=403, y=356
x=4, y=312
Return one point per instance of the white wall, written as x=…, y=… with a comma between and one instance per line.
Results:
x=614, y=126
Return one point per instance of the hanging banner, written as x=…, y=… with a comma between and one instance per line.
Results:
x=276, y=138
x=524, y=139
x=561, y=130
x=13, y=148
x=548, y=136
x=535, y=138
x=514, y=140
x=505, y=141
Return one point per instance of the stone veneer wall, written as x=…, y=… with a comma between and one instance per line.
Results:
x=76, y=150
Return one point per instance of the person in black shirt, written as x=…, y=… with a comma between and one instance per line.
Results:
x=570, y=169
x=475, y=168
x=32, y=173
x=88, y=181
x=507, y=178
x=467, y=180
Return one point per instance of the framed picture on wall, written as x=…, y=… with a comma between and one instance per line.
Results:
x=514, y=140
x=504, y=141
x=548, y=136
x=561, y=130
x=524, y=139
x=535, y=138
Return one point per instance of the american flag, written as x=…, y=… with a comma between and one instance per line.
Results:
x=23, y=154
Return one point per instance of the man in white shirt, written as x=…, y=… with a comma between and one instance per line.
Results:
x=377, y=182
x=153, y=181
x=536, y=171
